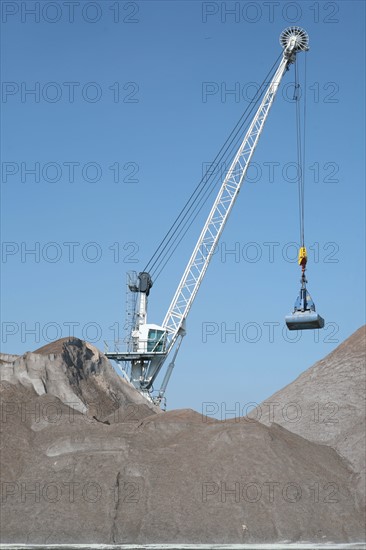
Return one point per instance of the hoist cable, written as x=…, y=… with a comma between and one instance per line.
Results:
x=196, y=209
x=194, y=212
x=202, y=186
x=299, y=155
x=185, y=216
x=303, y=156
x=201, y=199
x=208, y=192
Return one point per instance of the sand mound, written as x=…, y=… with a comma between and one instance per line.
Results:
x=128, y=474
x=326, y=404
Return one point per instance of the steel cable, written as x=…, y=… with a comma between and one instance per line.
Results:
x=202, y=191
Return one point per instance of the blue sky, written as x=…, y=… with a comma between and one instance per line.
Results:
x=117, y=131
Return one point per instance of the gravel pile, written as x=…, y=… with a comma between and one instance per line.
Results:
x=85, y=459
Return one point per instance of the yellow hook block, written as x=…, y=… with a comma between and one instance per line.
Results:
x=303, y=257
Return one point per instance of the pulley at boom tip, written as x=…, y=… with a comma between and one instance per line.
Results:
x=295, y=36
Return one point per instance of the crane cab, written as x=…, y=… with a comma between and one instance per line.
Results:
x=149, y=338
x=304, y=315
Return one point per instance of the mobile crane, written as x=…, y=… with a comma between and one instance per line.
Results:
x=151, y=344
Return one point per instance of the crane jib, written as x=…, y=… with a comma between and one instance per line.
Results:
x=151, y=344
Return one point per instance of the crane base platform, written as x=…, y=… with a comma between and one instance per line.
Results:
x=302, y=320
x=132, y=356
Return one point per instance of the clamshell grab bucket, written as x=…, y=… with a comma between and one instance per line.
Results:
x=304, y=315
x=302, y=320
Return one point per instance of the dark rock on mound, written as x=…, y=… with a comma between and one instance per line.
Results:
x=79, y=375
